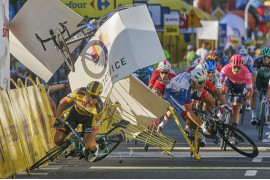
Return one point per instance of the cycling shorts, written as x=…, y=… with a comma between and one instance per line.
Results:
x=238, y=90
x=176, y=101
x=74, y=118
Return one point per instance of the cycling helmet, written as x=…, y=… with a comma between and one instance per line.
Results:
x=198, y=61
x=94, y=88
x=164, y=65
x=219, y=53
x=251, y=49
x=265, y=51
x=237, y=60
x=243, y=51
x=211, y=56
x=210, y=65
x=198, y=75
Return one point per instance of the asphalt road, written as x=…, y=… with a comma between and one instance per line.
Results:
x=131, y=161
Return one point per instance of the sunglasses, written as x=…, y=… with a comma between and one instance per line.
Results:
x=164, y=72
x=210, y=72
x=92, y=96
x=202, y=82
x=237, y=67
x=266, y=56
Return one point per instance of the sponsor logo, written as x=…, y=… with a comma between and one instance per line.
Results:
x=98, y=46
x=100, y=4
x=5, y=30
x=74, y=5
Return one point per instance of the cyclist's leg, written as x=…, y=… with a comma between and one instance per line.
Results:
x=62, y=132
x=165, y=119
x=240, y=91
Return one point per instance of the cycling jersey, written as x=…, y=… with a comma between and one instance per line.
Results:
x=156, y=77
x=216, y=80
x=248, y=62
x=144, y=73
x=243, y=77
x=179, y=92
x=80, y=106
x=262, y=71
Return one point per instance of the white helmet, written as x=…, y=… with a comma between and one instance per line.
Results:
x=198, y=61
x=243, y=51
x=164, y=65
x=198, y=75
x=251, y=49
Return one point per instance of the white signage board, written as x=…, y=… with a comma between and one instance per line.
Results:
x=208, y=31
x=125, y=43
x=38, y=16
x=4, y=47
x=171, y=19
x=155, y=12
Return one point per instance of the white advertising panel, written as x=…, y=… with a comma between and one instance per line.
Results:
x=4, y=41
x=38, y=16
x=125, y=43
x=155, y=12
x=208, y=31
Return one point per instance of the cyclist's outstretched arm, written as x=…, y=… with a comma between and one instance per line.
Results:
x=191, y=115
x=221, y=98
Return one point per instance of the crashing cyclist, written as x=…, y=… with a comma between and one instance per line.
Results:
x=144, y=74
x=88, y=106
x=260, y=77
x=236, y=78
x=180, y=92
x=157, y=84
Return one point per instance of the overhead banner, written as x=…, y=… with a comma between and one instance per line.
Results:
x=208, y=31
x=4, y=42
x=125, y=43
x=39, y=16
x=94, y=8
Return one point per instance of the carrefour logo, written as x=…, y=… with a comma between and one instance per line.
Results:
x=101, y=4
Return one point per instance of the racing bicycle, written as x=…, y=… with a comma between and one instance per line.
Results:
x=232, y=136
x=62, y=37
x=107, y=143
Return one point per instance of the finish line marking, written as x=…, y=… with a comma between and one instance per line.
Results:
x=173, y=168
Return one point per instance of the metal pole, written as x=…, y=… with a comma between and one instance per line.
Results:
x=246, y=15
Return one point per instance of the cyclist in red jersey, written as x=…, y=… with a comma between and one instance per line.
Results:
x=236, y=77
x=159, y=79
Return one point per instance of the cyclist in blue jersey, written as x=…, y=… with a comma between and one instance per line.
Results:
x=145, y=74
x=180, y=92
x=222, y=60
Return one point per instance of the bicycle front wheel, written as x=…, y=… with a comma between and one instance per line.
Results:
x=51, y=155
x=262, y=119
x=107, y=146
x=238, y=140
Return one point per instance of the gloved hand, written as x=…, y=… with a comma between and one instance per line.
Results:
x=226, y=107
x=57, y=123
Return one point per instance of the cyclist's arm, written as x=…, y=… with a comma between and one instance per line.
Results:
x=218, y=93
x=191, y=114
x=249, y=86
x=254, y=76
x=249, y=94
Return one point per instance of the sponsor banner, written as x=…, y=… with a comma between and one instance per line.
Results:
x=94, y=8
x=24, y=44
x=23, y=117
x=137, y=102
x=125, y=43
x=5, y=160
x=4, y=42
x=11, y=133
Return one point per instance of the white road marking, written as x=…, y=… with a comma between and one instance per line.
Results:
x=267, y=133
x=251, y=173
x=34, y=174
x=257, y=159
x=265, y=140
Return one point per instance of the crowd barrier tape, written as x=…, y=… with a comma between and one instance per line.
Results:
x=26, y=122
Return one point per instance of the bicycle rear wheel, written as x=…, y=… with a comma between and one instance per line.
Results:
x=51, y=155
x=238, y=140
x=64, y=49
x=106, y=147
x=262, y=120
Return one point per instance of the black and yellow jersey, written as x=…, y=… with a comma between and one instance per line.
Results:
x=78, y=97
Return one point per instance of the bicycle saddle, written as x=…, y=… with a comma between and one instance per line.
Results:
x=123, y=123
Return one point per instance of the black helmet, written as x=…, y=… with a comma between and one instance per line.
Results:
x=94, y=88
